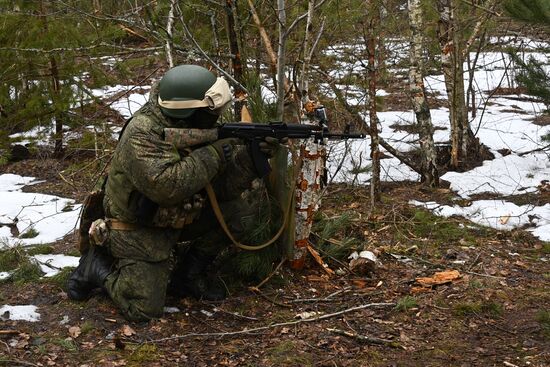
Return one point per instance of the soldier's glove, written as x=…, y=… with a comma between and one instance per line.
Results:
x=271, y=145
x=225, y=147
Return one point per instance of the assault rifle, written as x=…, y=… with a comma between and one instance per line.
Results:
x=253, y=133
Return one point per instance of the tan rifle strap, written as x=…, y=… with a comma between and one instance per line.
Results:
x=219, y=216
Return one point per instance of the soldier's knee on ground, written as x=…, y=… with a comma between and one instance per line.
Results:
x=139, y=288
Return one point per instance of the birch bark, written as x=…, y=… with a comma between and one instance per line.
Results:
x=430, y=174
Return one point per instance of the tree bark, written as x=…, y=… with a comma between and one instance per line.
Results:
x=311, y=158
x=464, y=146
x=169, y=26
x=430, y=174
x=236, y=61
x=55, y=90
x=373, y=16
x=281, y=59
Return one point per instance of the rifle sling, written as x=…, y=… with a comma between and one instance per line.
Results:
x=219, y=216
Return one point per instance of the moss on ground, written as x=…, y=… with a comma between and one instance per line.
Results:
x=487, y=308
x=286, y=353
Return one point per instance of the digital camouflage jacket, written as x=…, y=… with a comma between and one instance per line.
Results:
x=148, y=175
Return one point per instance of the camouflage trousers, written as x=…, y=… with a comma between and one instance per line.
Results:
x=145, y=257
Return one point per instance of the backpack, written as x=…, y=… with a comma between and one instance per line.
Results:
x=92, y=208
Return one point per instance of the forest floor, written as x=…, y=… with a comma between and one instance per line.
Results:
x=494, y=311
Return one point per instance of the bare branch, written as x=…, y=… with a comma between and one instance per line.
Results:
x=300, y=18
x=80, y=49
x=203, y=53
x=267, y=327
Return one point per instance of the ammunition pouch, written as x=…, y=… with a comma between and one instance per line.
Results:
x=181, y=215
x=150, y=214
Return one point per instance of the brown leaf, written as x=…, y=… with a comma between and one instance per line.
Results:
x=319, y=260
x=74, y=332
x=359, y=283
x=127, y=330
x=439, y=278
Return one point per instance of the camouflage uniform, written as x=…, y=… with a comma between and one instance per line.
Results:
x=149, y=184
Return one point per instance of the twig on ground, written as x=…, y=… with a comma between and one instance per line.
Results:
x=259, y=292
x=364, y=338
x=272, y=326
x=270, y=275
x=324, y=299
x=236, y=314
x=485, y=275
x=343, y=290
x=16, y=362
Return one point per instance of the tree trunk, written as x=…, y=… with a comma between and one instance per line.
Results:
x=236, y=62
x=281, y=59
x=373, y=14
x=311, y=159
x=463, y=143
x=55, y=90
x=281, y=179
x=430, y=174
x=58, y=148
x=169, y=26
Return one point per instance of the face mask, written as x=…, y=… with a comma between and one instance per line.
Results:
x=202, y=119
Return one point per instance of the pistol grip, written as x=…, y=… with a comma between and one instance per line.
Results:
x=260, y=160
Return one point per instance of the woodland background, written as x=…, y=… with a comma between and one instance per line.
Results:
x=62, y=64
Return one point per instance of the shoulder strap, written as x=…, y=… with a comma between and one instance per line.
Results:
x=219, y=216
x=124, y=127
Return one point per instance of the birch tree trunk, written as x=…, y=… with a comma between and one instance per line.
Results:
x=311, y=159
x=373, y=15
x=430, y=174
x=169, y=27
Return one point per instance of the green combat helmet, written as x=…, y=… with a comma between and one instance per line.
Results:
x=185, y=88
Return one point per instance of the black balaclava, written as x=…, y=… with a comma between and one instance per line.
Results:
x=203, y=118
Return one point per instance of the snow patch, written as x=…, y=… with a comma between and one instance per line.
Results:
x=22, y=313
x=39, y=217
x=52, y=264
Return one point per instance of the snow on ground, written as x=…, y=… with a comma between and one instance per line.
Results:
x=24, y=313
x=502, y=122
x=498, y=214
x=52, y=264
x=510, y=175
x=42, y=218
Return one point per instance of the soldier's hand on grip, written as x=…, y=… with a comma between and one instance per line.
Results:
x=270, y=145
x=225, y=147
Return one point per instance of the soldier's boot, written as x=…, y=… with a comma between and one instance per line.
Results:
x=92, y=270
x=190, y=279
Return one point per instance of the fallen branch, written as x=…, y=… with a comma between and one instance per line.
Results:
x=364, y=338
x=273, y=326
x=259, y=292
x=257, y=288
x=485, y=275
x=16, y=362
